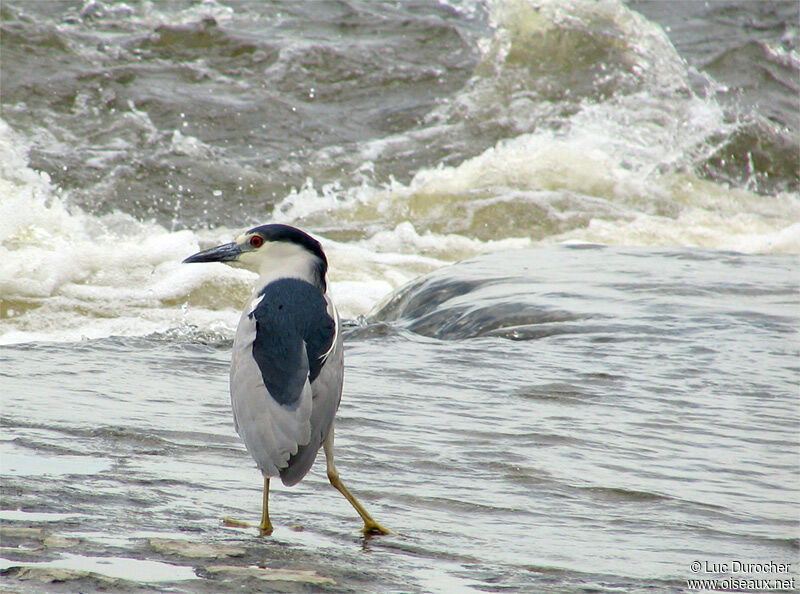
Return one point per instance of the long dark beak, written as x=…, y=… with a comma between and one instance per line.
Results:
x=228, y=252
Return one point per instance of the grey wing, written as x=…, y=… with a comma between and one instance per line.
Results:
x=271, y=431
x=326, y=394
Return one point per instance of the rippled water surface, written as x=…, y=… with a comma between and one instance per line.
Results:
x=564, y=238
x=560, y=417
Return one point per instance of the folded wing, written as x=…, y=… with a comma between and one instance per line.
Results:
x=279, y=343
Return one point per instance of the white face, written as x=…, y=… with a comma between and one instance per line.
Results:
x=274, y=259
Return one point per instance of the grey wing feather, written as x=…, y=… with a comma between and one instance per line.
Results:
x=271, y=431
x=326, y=394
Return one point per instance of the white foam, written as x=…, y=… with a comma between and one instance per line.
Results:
x=184, y=144
x=66, y=275
x=157, y=13
x=615, y=170
x=741, y=232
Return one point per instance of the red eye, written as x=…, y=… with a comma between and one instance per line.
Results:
x=256, y=241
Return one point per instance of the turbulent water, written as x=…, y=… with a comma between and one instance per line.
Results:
x=564, y=235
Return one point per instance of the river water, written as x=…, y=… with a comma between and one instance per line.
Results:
x=564, y=236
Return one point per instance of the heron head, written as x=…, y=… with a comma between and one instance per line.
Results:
x=269, y=250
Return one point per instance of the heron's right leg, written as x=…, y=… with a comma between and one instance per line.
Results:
x=370, y=525
x=265, y=526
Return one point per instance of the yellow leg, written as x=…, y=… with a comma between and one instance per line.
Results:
x=370, y=525
x=265, y=526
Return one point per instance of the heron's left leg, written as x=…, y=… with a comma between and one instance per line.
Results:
x=370, y=525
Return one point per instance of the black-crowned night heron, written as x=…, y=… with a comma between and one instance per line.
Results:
x=287, y=365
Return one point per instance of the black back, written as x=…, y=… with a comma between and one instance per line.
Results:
x=292, y=313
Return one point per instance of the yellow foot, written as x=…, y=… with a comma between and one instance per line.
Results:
x=265, y=529
x=373, y=527
x=231, y=523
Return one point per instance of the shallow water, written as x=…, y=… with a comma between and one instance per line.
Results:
x=556, y=417
x=586, y=380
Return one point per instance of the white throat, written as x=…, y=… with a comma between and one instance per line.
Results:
x=277, y=260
